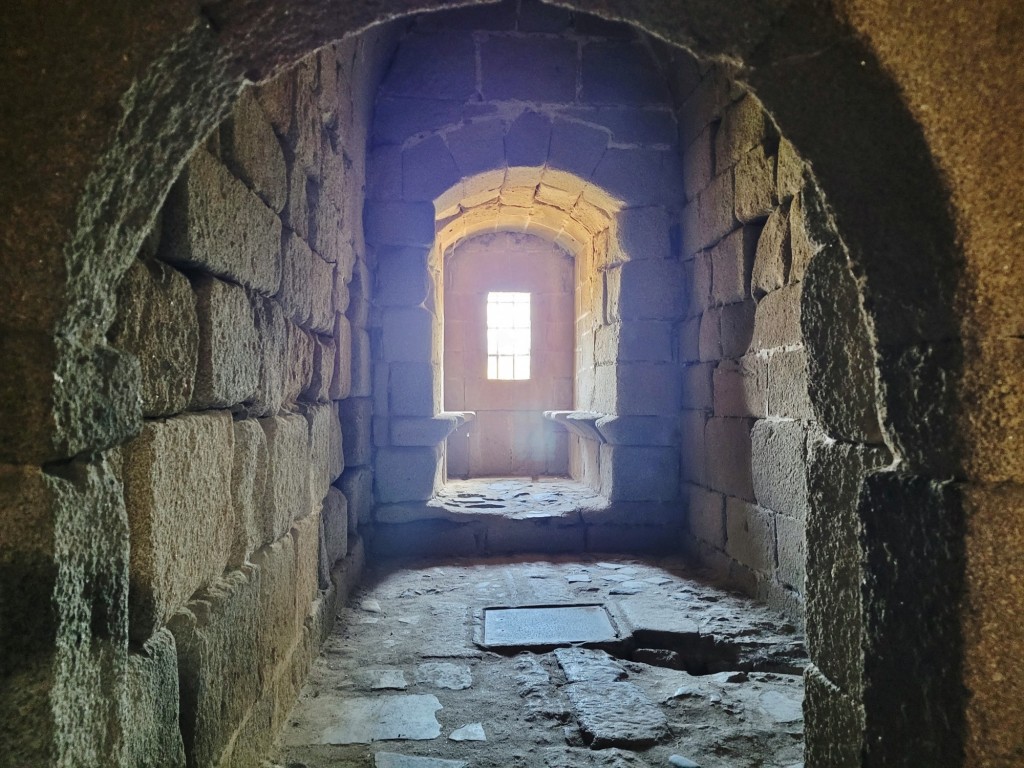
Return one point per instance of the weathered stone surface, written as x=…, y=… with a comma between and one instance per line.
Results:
x=408, y=334
x=156, y=322
x=252, y=151
x=272, y=331
x=229, y=352
x=288, y=471
x=306, y=535
x=755, y=185
x=645, y=290
x=357, y=485
x=325, y=448
x=616, y=714
x=691, y=445
x=583, y=665
x=835, y=472
x=412, y=391
x=777, y=322
x=772, y=256
x=324, y=350
x=715, y=210
x=152, y=738
x=392, y=223
x=728, y=457
x=350, y=360
x=402, y=277
x=360, y=365
x=296, y=292
x=418, y=71
x=836, y=735
x=809, y=229
x=698, y=163
x=53, y=636
x=428, y=170
x=638, y=473
x=697, y=386
x=248, y=489
x=750, y=535
x=356, y=414
x=406, y=474
x=213, y=221
x=913, y=558
x=177, y=480
x=620, y=73
x=322, y=286
x=732, y=260
x=737, y=328
x=278, y=627
x=741, y=388
x=707, y=516
x=744, y=125
x=537, y=70
x=789, y=177
x=335, y=519
x=644, y=177
x=790, y=551
x=218, y=642
x=840, y=363
x=780, y=466
x=788, y=383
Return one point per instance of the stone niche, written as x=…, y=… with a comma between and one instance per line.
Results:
x=580, y=157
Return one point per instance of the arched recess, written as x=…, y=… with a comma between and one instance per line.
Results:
x=615, y=402
x=823, y=86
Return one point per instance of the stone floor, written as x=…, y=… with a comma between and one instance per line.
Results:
x=402, y=682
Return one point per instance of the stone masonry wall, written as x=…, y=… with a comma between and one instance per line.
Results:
x=748, y=426
x=245, y=309
x=531, y=118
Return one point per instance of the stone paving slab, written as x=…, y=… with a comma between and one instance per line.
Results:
x=616, y=715
x=341, y=720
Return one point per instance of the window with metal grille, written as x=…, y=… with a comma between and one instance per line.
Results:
x=508, y=335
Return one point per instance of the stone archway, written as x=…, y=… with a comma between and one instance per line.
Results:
x=79, y=241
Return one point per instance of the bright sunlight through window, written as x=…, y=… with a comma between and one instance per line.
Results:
x=508, y=335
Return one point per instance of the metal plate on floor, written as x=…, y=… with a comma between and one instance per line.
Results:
x=546, y=626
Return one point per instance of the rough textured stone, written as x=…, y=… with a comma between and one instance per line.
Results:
x=324, y=351
x=755, y=185
x=156, y=322
x=616, y=714
x=788, y=385
x=741, y=388
x=406, y=474
x=780, y=466
x=707, y=516
x=538, y=70
x=272, y=331
x=296, y=293
x=252, y=152
x=418, y=71
x=335, y=519
x=737, y=328
x=248, y=489
x=153, y=738
x=288, y=471
x=357, y=485
x=356, y=414
x=772, y=256
x=218, y=641
x=777, y=322
x=177, y=479
x=229, y=352
x=809, y=230
x=836, y=737
x=638, y=473
x=729, y=457
x=213, y=221
x=744, y=125
x=732, y=260
x=326, y=450
x=345, y=361
x=839, y=359
x=791, y=552
x=750, y=535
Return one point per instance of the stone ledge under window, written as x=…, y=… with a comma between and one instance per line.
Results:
x=427, y=430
